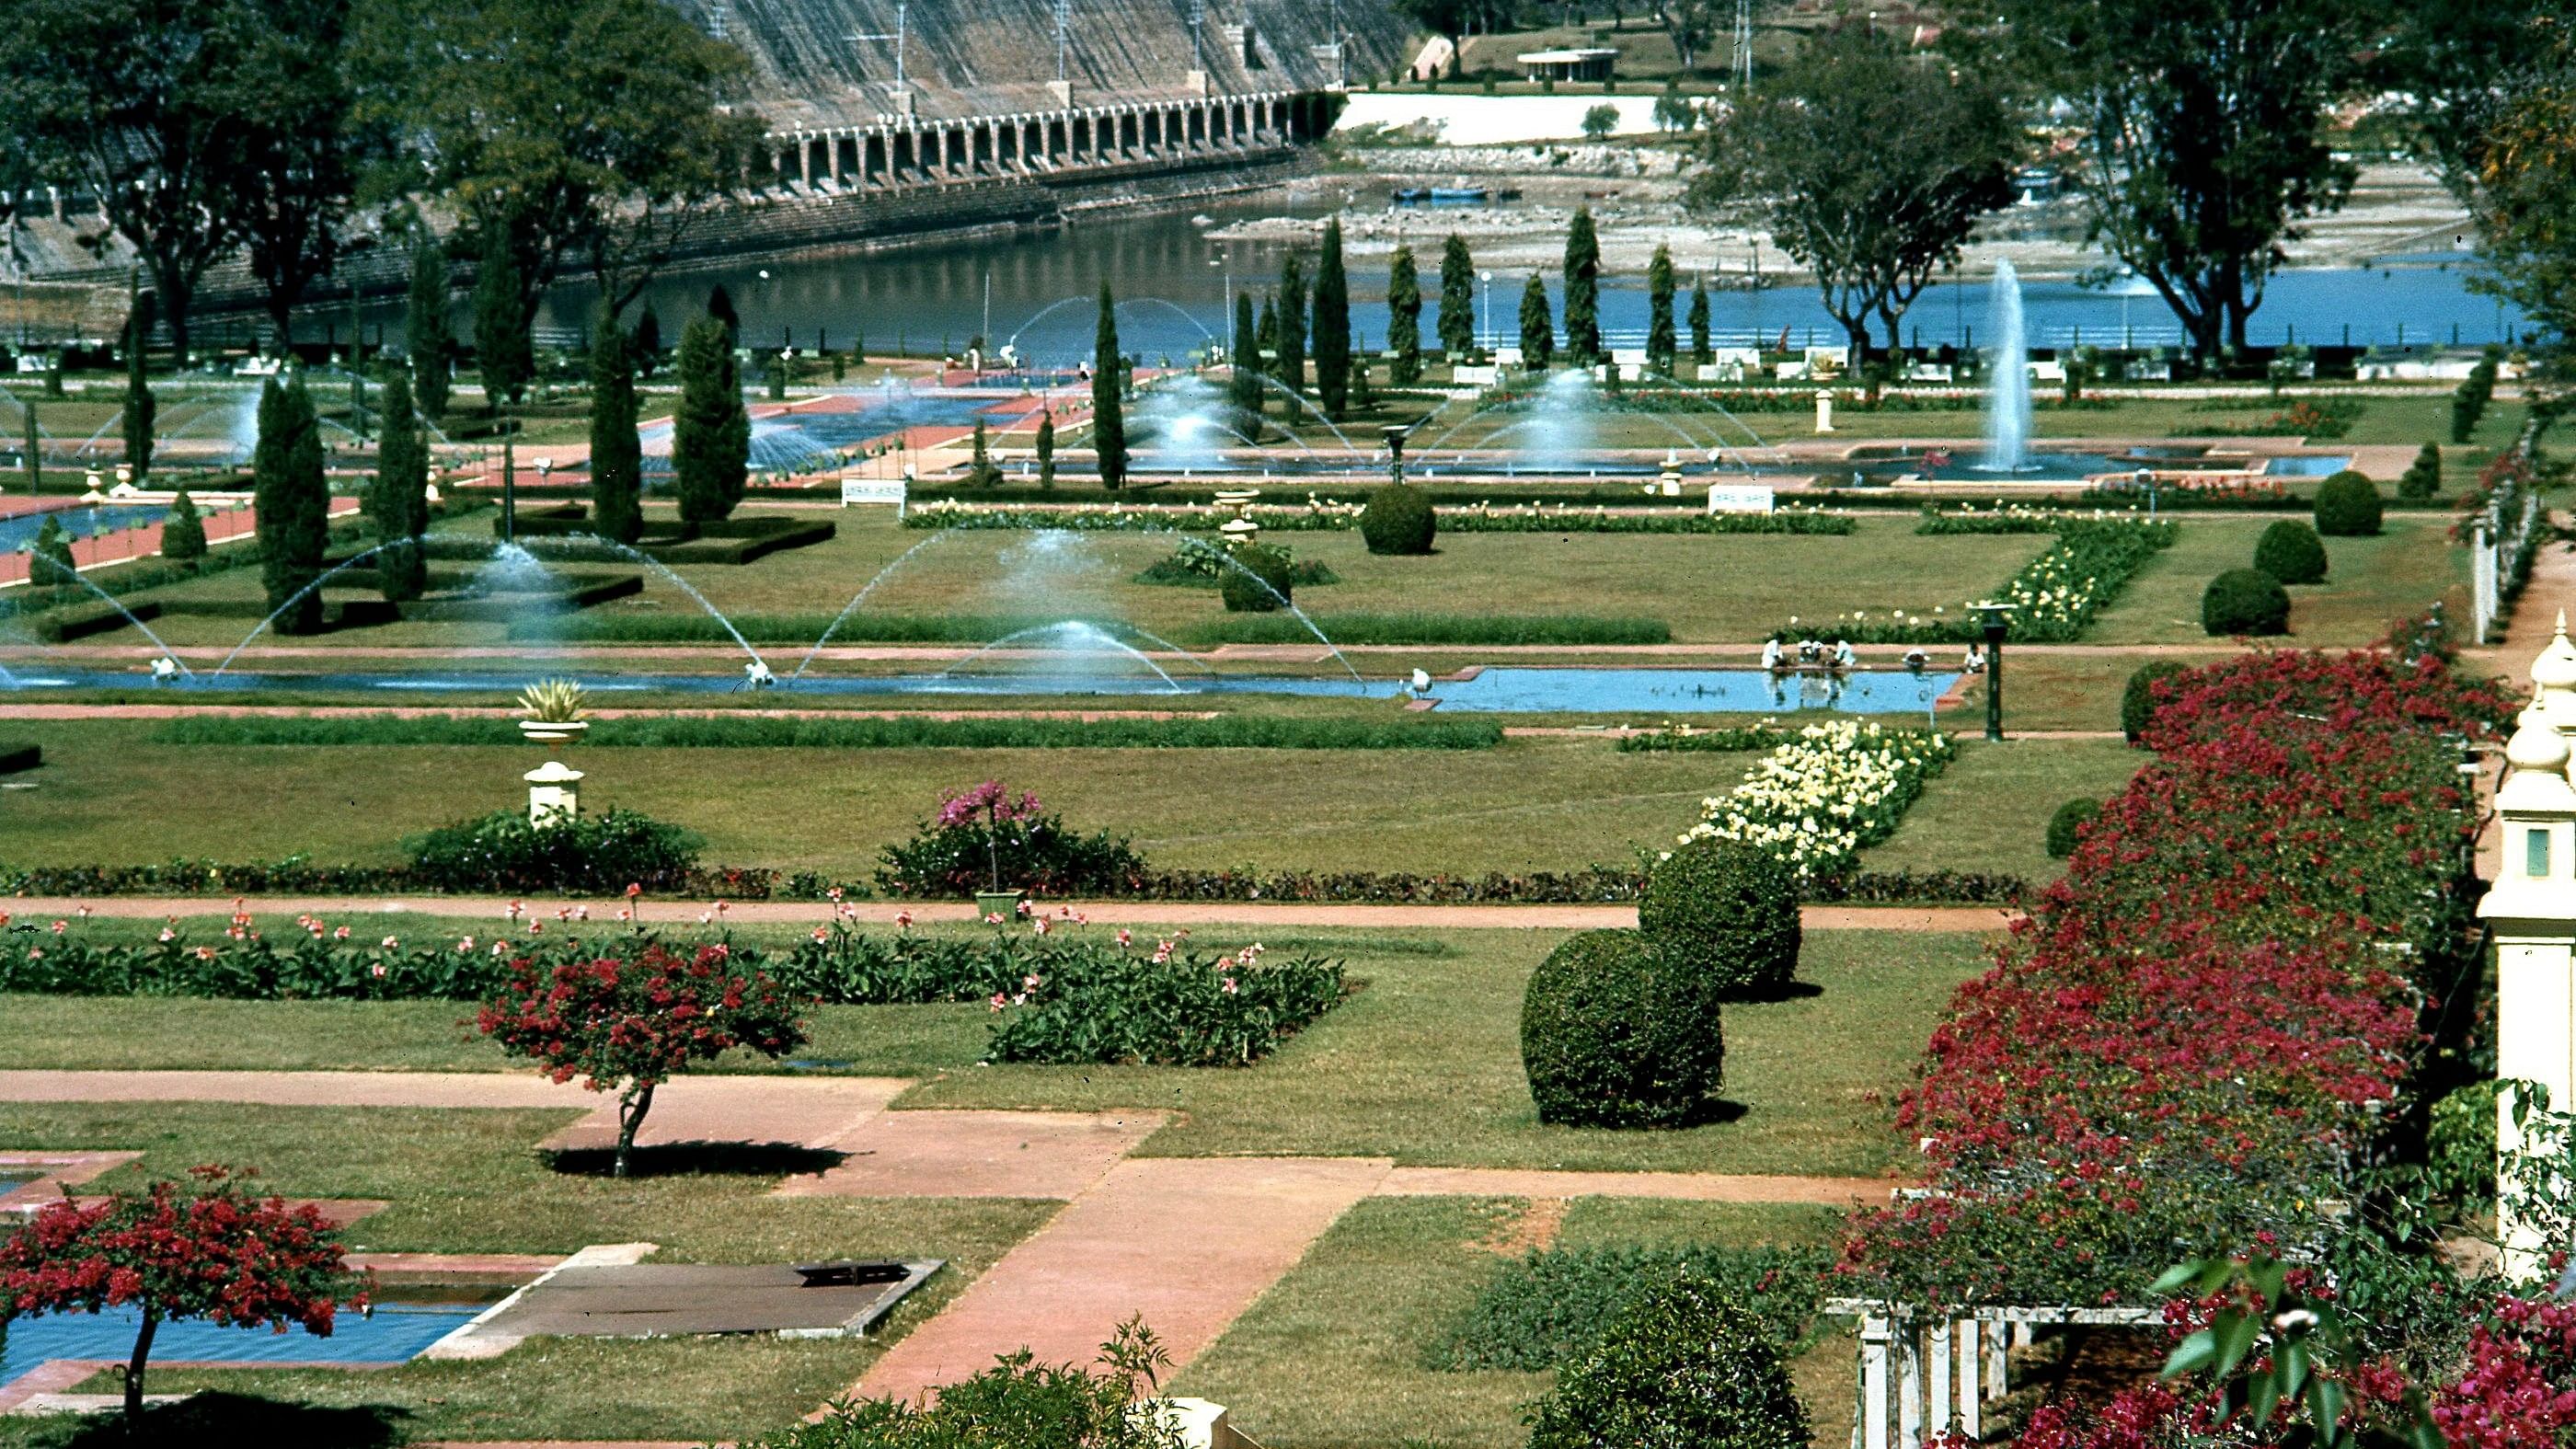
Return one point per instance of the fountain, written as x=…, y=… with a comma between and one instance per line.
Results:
x=1070, y=636
x=2008, y=396
x=861, y=597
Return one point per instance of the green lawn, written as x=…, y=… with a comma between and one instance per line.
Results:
x=1380, y=1287
x=1544, y=804
x=1989, y=811
x=2371, y=581
x=1422, y=1064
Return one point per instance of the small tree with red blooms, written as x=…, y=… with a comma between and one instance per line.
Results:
x=199, y=1247
x=632, y=1025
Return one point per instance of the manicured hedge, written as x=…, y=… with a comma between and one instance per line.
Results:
x=2291, y=552
x=1399, y=519
x=2066, y=826
x=750, y=731
x=1617, y=1034
x=1434, y=628
x=1726, y=911
x=2245, y=601
x=801, y=631
x=1687, y=1363
x=2348, y=506
x=2137, y=697
x=1551, y=1307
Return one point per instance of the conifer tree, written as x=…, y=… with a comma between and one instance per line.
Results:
x=1583, y=290
x=1266, y=337
x=398, y=503
x=427, y=336
x=49, y=558
x=503, y=351
x=183, y=532
x=710, y=434
x=1108, y=402
x=141, y=408
x=1538, y=329
x=1457, y=297
x=1243, y=388
x=1701, y=352
x=647, y=343
x=293, y=498
x=1663, y=348
x=1333, y=326
x=1292, y=324
x=35, y=449
x=1403, y=319
x=720, y=307
x=616, y=452
x=1046, y=450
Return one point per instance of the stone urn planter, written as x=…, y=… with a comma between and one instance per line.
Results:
x=553, y=734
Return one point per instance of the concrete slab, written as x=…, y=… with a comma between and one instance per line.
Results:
x=1186, y=1243
x=298, y=1089
x=480, y=1339
x=978, y=1154
x=669, y=1300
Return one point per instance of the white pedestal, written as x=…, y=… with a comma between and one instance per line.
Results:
x=1824, y=410
x=554, y=790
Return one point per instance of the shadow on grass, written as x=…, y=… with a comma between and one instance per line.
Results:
x=699, y=1159
x=234, y=1421
x=1773, y=996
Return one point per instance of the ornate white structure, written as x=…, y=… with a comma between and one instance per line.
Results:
x=2532, y=912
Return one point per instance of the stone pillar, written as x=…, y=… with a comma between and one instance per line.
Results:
x=2532, y=911
x=554, y=789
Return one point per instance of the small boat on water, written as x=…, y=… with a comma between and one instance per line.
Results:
x=1441, y=195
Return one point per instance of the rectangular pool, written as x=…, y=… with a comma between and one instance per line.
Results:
x=1691, y=691
x=396, y=1333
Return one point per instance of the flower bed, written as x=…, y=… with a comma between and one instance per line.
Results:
x=2188, y=1044
x=2055, y=596
x=1321, y=515
x=1816, y=801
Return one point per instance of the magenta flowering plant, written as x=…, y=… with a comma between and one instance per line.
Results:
x=986, y=834
x=990, y=803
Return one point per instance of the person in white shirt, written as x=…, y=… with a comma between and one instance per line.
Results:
x=1771, y=654
x=1843, y=656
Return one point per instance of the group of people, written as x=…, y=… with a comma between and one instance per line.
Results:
x=1779, y=656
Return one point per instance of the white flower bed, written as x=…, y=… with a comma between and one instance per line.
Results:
x=1816, y=801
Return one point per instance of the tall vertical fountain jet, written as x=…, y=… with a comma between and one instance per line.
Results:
x=2008, y=392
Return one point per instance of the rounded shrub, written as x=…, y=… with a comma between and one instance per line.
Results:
x=2245, y=601
x=1617, y=1034
x=1263, y=582
x=1399, y=519
x=2291, y=552
x=504, y=853
x=183, y=533
x=2348, y=506
x=2423, y=477
x=2067, y=824
x=2137, y=699
x=1727, y=911
x=1687, y=1362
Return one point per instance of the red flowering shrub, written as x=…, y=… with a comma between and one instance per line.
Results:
x=2182, y=1047
x=632, y=1025
x=199, y=1247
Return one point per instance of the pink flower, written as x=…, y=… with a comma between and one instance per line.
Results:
x=822, y=934
x=61, y=926
x=1030, y=981
x=1126, y=937
x=633, y=890
x=513, y=910
x=581, y=913
x=1229, y=986
x=903, y=920
x=376, y=970
x=465, y=945
x=1027, y=907
x=834, y=893
x=1041, y=924
x=390, y=944
x=535, y=928
x=81, y=911
x=992, y=918
x=168, y=935
x=341, y=934
x=999, y=1001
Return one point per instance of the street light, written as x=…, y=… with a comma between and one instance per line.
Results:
x=1997, y=621
x=1394, y=435
x=1485, y=329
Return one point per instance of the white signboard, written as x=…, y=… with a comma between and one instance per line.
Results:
x=874, y=490
x=1740, y=498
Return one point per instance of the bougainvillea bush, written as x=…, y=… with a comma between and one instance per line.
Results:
x=200, y=1247
x=627, y=1024
x=984, y=837
x=2192, y=1039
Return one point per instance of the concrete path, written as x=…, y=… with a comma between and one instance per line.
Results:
x=1545, y=1186
x=1188, y=1243
x=1058, y=1155
x=1252, y=915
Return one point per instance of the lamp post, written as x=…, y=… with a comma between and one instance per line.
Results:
x=1394, y=435
x=2146, y=479
x=1485, y=337
x=1998, y=620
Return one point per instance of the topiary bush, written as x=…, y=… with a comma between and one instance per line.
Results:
x=2348, y=506
x=2291, y=552
x=1399, y=519
x=1727, y=911
x=2245, y=601
x=585, y=855
x=1617, y=1034
x=183, y=532
x=2066, y=825
x=1687, y=1363
x=2137, y=700
x=1264, y=583
x=2423, y=477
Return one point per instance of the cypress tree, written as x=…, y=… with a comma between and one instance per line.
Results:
x=35, y=451
x=428, y=338
x=616, y=452
x=1333, y=326
x=981, y=473
x=1582, y=290
x=1046, y=449
x=1457, y=298
x=503, y=351
x=1243, y=389
x=1108, y=385
x=710, y=444
x=140, y=406
x=1403, y=319
x=647, y=343
x=720, y=307
x=1292, y=324
x=1662, y=348
x=1701, y=352
x=399, y=501
x=293, y=499
x=183, y=533
x=1266, y=340
x=1538, y=330
x=49, y=558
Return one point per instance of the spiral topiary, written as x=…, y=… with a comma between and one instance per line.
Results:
x=2347, y=506
x=1262, y=581
x=2245, y=601
x=2291, y=552
x=1399, y=519
x=1617, y=1034
x=1728, y=911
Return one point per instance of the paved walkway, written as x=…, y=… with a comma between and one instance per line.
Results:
x=1274, y=915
